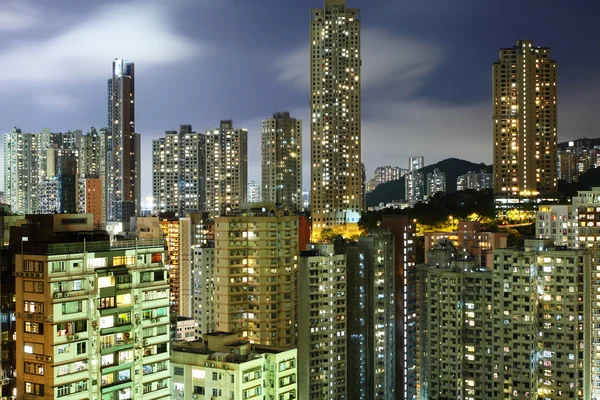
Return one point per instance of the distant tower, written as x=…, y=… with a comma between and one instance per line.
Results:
x=254, y=195
x=525, y=126
x=226, y=169
x=178, y=171
x=123, y=148
x=336, y=177
x=282, y=161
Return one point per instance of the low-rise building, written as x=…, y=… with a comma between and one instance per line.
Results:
x=222, y=366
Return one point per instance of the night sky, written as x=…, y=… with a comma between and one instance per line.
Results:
x=426, y=68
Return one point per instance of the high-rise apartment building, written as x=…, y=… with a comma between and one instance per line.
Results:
x=22, y=157
x=282, y=161
x=123, y=199
x=256, y=265
x=586, y=210
x=525, y=126
x=385, y=174
x=226, y=169
x=322, y=323
x=404, y=231
x=178, y=172
x=204, y=290
x=335, y=137
x=436, y=182
x=519, y=330
x=475, y=181
x=371, y=309
x=416, y=163
x=93, y=315
x=415, y=187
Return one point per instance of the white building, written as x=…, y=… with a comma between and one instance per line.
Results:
x=178, y=172
x=254, y=194
x=224, y=367
x=436, y=182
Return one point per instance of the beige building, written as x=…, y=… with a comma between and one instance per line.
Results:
x=282, y=161
x=336, y=174
x=226, y=167
x=322, y=323
x=557, y=222
x=226, y=367
x=92, y=315
x=525, y=126
x=256, y=264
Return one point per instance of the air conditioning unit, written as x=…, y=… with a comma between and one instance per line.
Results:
x=58, y=295
x=110, y=274
x=66, y=295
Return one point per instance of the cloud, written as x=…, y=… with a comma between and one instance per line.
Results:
x=17, y=15
x=387, y=60
x=54, y=101
x=138, y=31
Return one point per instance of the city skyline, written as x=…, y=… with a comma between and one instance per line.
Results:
x=406, y=91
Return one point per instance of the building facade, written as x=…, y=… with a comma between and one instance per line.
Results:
x=335, y=102
x=475, y=181
x=226, y=168
x=322, y=323
x=371, y=309
x=222, y=366
x=256, y=264
x=282, y=161
x=515, y=331
x=204, y=290
x=525, y=125
x=436, y=182
x=93, y=316
x=178, y=172
x=254, y=192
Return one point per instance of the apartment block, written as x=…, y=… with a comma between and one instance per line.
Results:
x=335, y=107
x=92, y=315
x=282, y=161
x=371, y=309
x=256, y=264
x=436, y=182
x=322, y=323
x=226, y=168
x=223, y=366
x=517, y=331
x=178, y=172
x=204, y=290
x=525, y=124
x=475, y=181
x=471, y=242
x=557, y=222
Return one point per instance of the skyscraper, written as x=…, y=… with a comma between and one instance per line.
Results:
x=336, y=187
x=123, y=198
x=282, y=161
x=178, y=171
x=525, y=127
x=226, y=169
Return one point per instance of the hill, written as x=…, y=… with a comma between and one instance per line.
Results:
x=452, y=167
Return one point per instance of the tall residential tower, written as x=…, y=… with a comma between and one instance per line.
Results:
x=335, y=138
x=525, y=127
x=123, y=146
x=282, y=161
x=226, y=169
